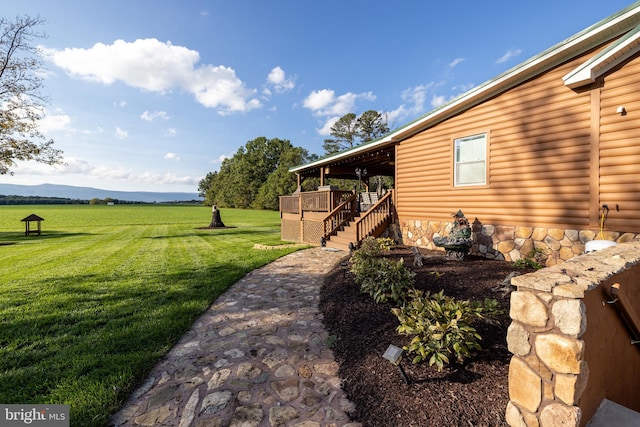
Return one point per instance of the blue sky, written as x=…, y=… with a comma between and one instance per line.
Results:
x=151, y=95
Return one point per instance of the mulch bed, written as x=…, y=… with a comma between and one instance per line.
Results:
x=475, y=394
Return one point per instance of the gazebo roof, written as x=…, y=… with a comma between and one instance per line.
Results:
x=32, y=217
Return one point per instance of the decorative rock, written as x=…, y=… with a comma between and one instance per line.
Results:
x=189, y=411
x=328, y=368
x=525, y=386
x=276, y=357
x=557, y=415
x=287, y=390
x=154, y=417
x=285, y=371
x=247, y=416
x=247, y=370
x=513, y=417
x=218, y=378
x=280, y=415
x=305, y=371
x=215, y=402
x=568, y=388
x=560, y=353
x=518, y=339
x=539, y=234
x=570, y=317
x=528, y=309
x=556, y=233
x=523, y=232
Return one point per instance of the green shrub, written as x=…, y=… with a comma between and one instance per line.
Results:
x=441, y=326
x=531, y=260
x=379, y=277
x=386, y=280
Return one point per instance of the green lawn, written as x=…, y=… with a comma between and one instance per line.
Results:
x=88, y=307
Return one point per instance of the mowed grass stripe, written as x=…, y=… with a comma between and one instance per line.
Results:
x=87, y=312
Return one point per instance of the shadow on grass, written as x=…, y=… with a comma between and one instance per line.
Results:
x=89, y=340
x=48, y=235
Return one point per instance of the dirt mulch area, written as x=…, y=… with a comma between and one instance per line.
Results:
x=475, y=394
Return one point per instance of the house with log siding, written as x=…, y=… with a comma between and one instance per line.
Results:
x=541, y=159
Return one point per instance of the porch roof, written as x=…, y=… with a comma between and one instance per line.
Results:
x=378, y=157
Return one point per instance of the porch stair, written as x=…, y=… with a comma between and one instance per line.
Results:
x=348, y=234
x=342, y=238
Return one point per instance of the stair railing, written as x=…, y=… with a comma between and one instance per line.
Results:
x=338, y=217
x=626, y=311
x=378, y=214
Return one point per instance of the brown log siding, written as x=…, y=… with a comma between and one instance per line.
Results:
x=620, y=147
x=538, y=165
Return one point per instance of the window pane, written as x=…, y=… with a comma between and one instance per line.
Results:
x=470, y=154
x=471, y=173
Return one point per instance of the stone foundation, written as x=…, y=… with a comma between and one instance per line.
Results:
x=562, y=365
x=549, y=246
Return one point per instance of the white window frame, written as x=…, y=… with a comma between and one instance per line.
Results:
x=474, y=158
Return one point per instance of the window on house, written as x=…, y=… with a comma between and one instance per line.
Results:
x=471, y=160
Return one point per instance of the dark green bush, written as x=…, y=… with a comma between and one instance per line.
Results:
x=379, y=277
x=441, y=326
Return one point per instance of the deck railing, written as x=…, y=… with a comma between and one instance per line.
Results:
x=313, y=201
x=372, y=220
x=338, y=217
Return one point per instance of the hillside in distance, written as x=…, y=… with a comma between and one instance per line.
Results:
x=88, y=193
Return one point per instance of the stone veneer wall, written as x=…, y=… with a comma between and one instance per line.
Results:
x=570, y=348
x=511, y=243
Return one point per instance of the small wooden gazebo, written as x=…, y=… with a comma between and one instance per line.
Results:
x=28, y=220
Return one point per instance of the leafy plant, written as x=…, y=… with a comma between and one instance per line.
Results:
x=441, y=326
x=379, y=277
x=387, y=280
x=531, y=260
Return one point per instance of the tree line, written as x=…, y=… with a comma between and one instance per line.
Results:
x=258, y=173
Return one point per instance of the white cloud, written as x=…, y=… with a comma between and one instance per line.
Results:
x=415, y=99
x=54, y=123
x=171, y=156
x=155, y=66
x=278, y=79
x=325, y=104
x=171, y=132
x=120, y=104
x=151, y=116
x=455, y=62
x=511, y=53
x=120, y=133
x=438, y=101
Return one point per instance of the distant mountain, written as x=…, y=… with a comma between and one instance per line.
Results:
x=88, y=193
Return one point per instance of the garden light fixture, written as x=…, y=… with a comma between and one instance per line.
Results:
x=394, y=355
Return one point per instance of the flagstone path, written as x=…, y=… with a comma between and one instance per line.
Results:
x=259, y=357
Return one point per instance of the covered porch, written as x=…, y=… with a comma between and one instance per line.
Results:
x=337, y=217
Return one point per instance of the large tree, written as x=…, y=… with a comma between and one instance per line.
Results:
x=21, y=102
x=255, y=176
x=344, y=132
x=349, y=131
x=371, y=125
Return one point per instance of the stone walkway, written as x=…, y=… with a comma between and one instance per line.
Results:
x=259, y=357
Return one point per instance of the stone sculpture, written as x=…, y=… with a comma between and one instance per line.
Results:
x=458, y=244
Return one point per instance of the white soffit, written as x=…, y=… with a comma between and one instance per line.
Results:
x=604, y=61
